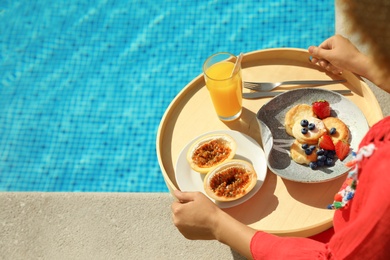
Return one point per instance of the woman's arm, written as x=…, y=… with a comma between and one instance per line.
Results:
x=197, y=217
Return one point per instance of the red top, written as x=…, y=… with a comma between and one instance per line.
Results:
x=361, y=229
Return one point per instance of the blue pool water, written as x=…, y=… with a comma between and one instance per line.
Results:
x=84, y=84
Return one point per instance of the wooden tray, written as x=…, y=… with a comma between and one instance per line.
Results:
x=280, y=207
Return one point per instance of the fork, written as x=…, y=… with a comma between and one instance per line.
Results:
x=267, y=86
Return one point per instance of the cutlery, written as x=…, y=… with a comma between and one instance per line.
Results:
x=267, y=86
x=255, y=95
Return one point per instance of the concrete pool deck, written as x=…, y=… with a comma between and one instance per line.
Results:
x=106, y=225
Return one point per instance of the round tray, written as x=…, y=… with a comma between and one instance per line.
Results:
x=281, y=206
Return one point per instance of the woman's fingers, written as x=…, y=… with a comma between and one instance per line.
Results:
x=326, y=65
x=184, y=197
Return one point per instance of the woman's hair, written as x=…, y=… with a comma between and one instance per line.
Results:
x=371, y=19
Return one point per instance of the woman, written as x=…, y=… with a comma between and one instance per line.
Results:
x=361, y=224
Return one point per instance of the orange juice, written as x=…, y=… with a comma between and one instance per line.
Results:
x=225, y=90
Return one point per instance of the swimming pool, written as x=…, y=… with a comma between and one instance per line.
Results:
x=84, y=84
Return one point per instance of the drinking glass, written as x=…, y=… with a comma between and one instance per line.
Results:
x=225, y=87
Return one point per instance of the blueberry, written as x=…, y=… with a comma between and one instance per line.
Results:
x=305, y=146
x=320, y=163
x=313, y=165
x=308, y=151
x=312, y=147
x=312, y=126
x=330, y=154
x=329, y=161
x=321, y=158
x=304, y=123
x=320, y=152
x=332, y=131
x=304, y=131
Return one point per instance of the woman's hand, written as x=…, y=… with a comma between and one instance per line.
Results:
x=337, y=54
x=195, y=215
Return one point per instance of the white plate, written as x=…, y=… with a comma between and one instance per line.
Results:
x=277, y=142
x=247, y=149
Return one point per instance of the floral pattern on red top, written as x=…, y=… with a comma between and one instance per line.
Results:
x=347, y=190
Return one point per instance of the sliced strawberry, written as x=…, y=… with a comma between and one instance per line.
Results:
x=321, y=108
x=326, y=143
x=342, y=149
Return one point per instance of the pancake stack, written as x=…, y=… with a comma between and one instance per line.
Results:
x=303, y=124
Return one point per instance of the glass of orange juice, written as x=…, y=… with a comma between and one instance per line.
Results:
x=225, y=87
